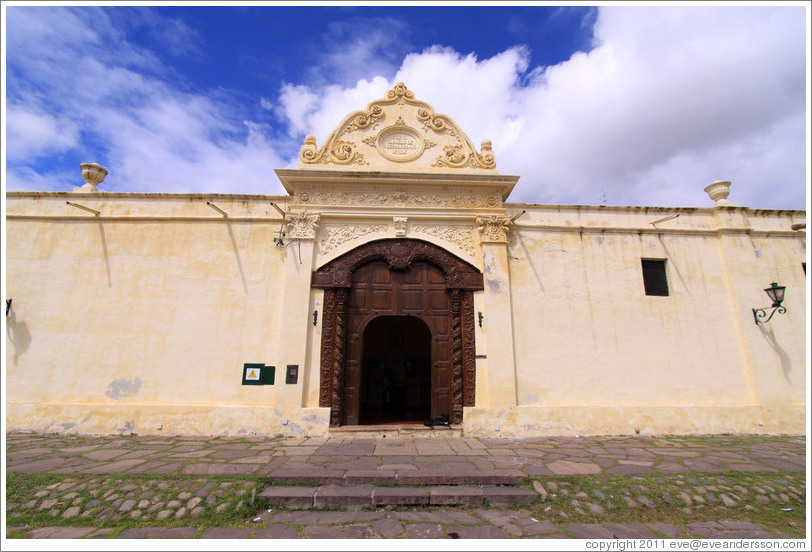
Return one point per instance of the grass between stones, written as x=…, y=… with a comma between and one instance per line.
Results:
x=774, y=501
x=118, y=501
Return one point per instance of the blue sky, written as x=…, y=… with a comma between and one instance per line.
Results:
x=623, y=105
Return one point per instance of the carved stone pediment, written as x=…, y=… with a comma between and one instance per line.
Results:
x=398, y=133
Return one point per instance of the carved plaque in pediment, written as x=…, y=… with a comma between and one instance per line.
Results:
x=399, y=143
x=398, y=129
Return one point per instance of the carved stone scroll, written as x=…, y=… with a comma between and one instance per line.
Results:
x=398, y=128
x=337, y=235
x=461, y=236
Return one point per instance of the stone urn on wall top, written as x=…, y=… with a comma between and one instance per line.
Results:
x=93, y=174
x=718, y=192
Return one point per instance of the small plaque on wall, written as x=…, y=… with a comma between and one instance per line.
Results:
x=292, y=375
x=257, y=374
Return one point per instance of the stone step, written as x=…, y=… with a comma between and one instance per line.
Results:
x=384, y=431
x=356, y=497
x=398, y=477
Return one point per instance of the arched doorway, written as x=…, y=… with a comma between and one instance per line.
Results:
x=397, y=277
x=396, y=371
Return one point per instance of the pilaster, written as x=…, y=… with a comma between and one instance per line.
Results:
x=296, y=313
x=498, y=321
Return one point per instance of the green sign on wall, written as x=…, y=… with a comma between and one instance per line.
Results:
x=258, y=374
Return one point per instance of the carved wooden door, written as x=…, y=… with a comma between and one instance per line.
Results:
x=402, y=277
x=418, y=291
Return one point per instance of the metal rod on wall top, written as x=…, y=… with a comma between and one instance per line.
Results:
x=517, y=215
x=216, y=208
x=275, y=206
x=88, y=209
x=664, y=219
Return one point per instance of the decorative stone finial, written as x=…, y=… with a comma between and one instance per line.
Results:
x=718, y=192
x=487, y=145
x=94, y=174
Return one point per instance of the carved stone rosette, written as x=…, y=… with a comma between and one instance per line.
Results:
x=302, y=226
x=493, y=228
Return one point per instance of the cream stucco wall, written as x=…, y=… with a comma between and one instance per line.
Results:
x=594, y=354
x=136, y=312
x=142, y=316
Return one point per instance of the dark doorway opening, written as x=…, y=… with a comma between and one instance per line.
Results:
x=396, y=375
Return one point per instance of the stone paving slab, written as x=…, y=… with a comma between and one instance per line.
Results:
x=692, y=463
x=561, y=456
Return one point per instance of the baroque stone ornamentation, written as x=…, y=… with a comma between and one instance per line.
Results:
x=400, y=140
x=339, y=234
x=461, y=236
x=339, y=152
x=399, y=143
x=423, y=199
x=493, y=228
x=302, y=226
x=400, y=226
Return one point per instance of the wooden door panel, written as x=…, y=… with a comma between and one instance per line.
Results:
x=437, y=300
x=411, y=299
x=420, y=291
x=381, y=300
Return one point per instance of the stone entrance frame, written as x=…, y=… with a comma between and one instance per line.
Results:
x=336, y=278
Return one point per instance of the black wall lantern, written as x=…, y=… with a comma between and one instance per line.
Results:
x=776, y=295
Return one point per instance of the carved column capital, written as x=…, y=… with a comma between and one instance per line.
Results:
x=302, y=226
x=493, y=228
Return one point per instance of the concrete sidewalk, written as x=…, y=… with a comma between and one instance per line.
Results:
x=688, y=464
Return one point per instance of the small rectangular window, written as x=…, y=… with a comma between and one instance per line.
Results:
x=654, y=278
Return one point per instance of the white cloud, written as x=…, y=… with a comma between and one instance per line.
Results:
x=30, y=134
x=670, y=99
x=151, y=135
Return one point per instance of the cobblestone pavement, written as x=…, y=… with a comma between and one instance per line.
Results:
x=175, y=480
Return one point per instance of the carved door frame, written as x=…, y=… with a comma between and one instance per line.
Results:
x=336, y=277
